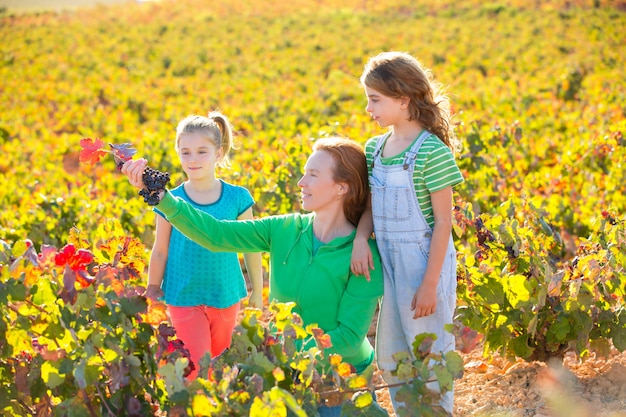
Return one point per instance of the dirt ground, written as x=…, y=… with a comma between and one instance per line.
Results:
x=572, y=388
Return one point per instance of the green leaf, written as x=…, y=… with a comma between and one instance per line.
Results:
x=520, y=347
x=619, y=335
x=17, y=291
x=545, y=226
x=444, y=377
x=50, y=375
x=362, y=399
x=559, y=330
x=492, y=292
x=278, y=394
x=19, y=340
x=79, y=374
x=173, y=376
x=43, y=294
x=454, y=363
x=262, y=361
x=405, y=372
x=619, y=339
x=532, y=325
x=401, y=356
x=133, y=306
x=516, y=289
x=73, y=407
x=180, y=397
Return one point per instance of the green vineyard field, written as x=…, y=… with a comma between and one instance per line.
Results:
x=538, y=90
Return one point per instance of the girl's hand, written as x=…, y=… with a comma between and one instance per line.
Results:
x=424, y=301
x=133, y=169
x=154, y=292
x=256, y=300
x=361, y=261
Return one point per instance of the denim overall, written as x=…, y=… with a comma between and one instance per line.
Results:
x=403, y=237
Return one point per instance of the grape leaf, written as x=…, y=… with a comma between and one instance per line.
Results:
x=84, y=279
x=122, y=152
x=76, y=260
x=469, y=339
x=345, y=369
x=68, y=293
x=92, y=150
x=156, y=313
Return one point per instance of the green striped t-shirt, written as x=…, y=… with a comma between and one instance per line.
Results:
x=435, y=169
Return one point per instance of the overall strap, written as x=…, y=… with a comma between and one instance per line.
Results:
x=411, y=154
x=378, y=148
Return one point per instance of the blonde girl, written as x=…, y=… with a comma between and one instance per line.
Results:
x=202, y=288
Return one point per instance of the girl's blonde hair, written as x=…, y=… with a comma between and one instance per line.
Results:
x=215, y=126
x=398, y=74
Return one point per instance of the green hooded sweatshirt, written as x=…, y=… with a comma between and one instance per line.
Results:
x=324, y=289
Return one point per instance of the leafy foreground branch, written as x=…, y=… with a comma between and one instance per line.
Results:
x=534, y=291
x=78, y=338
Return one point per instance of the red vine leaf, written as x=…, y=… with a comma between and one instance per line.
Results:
x=77, y=260
x=322, y=338
x=469, y=339
x=92, y=150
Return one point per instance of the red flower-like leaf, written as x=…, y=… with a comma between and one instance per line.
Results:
x=92, y=150
x=76, y=260
x=75, y=263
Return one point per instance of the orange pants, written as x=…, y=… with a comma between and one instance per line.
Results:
x=204, y=329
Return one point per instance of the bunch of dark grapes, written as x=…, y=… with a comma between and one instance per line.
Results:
x=482, y=233
x=154, y=182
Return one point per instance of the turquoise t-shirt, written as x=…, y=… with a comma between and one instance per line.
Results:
x=197, y=276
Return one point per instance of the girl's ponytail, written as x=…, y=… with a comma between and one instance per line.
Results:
x=226, y=130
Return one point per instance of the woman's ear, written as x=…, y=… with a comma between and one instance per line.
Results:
x=342, y=188
x=404, y=102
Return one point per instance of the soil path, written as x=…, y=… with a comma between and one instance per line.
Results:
x=572, y=388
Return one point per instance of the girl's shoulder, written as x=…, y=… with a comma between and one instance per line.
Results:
x=432, y=144
x=177, y=188
x=179, y=191
x=433, y=141
x=233, y=189
x=370, y=144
